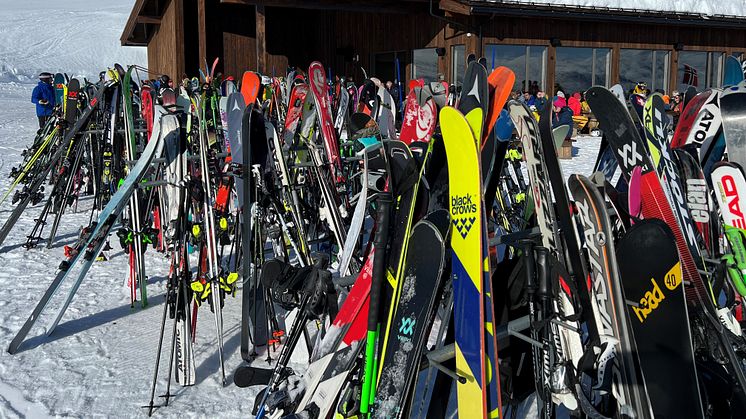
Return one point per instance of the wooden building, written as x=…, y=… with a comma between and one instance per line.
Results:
x=544, y=44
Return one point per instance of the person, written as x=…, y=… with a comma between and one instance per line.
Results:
x=44, y=98
x=562, y=115
x=393, y=89
x=540, y=101
x=675, y=102
x=574, y=103
x=675, y=106
x=527, y=99
x=641, y=89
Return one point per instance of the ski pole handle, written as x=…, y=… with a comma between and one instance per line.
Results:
x=379, y=261
x=542, y=272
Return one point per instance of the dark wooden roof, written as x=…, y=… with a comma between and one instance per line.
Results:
x=376, y=6
x=144, y=19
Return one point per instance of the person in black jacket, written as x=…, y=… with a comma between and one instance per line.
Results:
x=541, y=101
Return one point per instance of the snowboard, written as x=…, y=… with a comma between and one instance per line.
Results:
x=651, y=275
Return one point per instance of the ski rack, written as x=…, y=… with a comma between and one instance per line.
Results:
x=436, y=358
x=120, y=131
x=160, y=160
x=515, y=328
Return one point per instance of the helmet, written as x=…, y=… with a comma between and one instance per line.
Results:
x=45, y=76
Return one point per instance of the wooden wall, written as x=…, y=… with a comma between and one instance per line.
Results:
x=166, y=48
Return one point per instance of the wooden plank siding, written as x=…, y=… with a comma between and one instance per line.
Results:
x=166, y=47
x=296, y=36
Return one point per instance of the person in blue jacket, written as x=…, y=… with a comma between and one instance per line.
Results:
x=562, y=115
x=44, y=98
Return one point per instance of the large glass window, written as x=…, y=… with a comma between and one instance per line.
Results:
x=601, y=63
x=425, y=64
x=661, y=65
x=577, y=69
x=458, y=64
x=537, y=65
x=643, y=65
x=700, y=69
x=527, y=62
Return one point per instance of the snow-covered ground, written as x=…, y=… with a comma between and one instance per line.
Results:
x=704, y=7
x=99, y=362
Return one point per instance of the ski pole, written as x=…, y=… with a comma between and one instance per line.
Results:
x=398, y=83
x=368, y=392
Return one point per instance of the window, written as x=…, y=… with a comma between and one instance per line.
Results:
x=700, y=69
x=425, y=64
x=601, y=63
x=527, y=62
x=537, y=65
x=577, y=69
x=458, y=64
x=661, y=65
x=643, y=65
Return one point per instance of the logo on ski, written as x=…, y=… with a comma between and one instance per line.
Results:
x=696, y=196
x=653, y=298
x=703, y=126
x=630, y=155
x=407, y=326
x=461, y=209
x=475, y=90
x=729, y=191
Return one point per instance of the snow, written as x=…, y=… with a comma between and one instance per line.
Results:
x=79, y=37
x=703, y=7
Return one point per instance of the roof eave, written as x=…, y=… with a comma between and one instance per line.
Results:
x=608, y=14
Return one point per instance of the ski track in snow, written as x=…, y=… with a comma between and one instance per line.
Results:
x=77, y=37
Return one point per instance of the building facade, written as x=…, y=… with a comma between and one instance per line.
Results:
x=545, y=45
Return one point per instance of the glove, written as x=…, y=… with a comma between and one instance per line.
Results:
x=43, y=102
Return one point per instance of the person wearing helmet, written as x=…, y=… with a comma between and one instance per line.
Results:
x=641, y=89
x=44, y=98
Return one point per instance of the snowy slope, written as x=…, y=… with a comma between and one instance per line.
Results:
x=79, y=37
x=704, y=7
